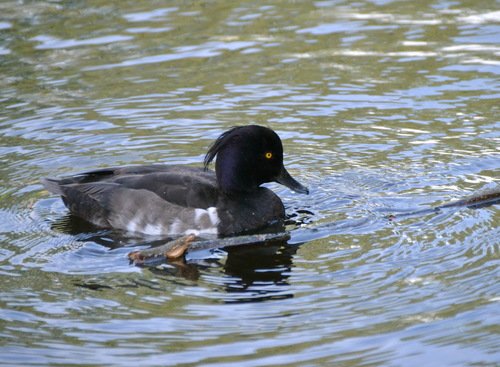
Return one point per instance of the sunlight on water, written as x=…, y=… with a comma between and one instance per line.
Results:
x=384, y=109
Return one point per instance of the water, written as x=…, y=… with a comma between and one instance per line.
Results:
x=383, y=107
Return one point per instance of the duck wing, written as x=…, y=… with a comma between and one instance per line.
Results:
x=180, y=185
x=187, y=190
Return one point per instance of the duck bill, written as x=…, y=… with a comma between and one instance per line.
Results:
x=286, y=180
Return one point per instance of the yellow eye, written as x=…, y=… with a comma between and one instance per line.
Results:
x=269, y=155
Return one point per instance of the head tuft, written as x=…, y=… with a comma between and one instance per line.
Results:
x=220, y=143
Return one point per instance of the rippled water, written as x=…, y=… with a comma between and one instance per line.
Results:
x=383, y=106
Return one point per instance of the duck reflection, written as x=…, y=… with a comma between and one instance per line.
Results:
x=249, y=273
x=259, y=272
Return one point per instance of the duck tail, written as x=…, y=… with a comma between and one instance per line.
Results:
x=52, y=185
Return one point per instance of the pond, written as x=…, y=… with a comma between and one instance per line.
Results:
x=384, y=107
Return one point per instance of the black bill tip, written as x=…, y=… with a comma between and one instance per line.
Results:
x=287, y=180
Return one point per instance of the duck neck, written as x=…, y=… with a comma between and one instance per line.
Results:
x=233, y=177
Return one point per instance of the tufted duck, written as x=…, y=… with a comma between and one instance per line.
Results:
x=173, y=200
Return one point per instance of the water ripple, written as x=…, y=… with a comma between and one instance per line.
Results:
x=383, y=110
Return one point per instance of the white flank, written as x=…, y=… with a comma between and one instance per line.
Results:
x=196, y=232
x=205, y=221
x=175, y=227
x=198, y=215
x=153, y=229
x=132, y=226
x=214, y=217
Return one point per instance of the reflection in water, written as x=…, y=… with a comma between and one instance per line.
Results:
x=248, y=273
x=385, y=107
x=254, y=269
x=178, y=268
x=262, y=271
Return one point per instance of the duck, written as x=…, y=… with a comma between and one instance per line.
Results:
x=176, y=200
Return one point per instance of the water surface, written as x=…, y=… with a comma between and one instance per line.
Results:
x=383, y=106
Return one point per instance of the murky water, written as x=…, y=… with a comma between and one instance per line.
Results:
x=383, y=107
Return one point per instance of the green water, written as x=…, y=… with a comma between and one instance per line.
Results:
x=383, y=107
